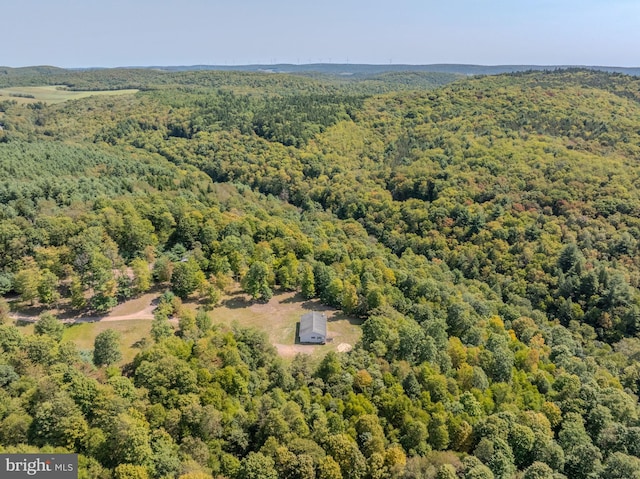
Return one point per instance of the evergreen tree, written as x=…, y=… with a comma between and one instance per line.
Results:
x=308, y=282
x=50, y=325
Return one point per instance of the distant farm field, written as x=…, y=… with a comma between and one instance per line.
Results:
x=52, y=94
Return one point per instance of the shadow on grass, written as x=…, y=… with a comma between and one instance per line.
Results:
x=28, y=309
x=64, y=311
x=238, y=301
x=316, y=305
x=340, y=316
x=308, y=304
x=75, y=325
x=297, y=336
x=142, y=343
x=296, y=298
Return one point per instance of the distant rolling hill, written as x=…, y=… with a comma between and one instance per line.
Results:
x=364, y=69
x=34, y=70
x=347, y=78
x=340, y=68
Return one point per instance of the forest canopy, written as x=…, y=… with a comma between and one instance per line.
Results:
x=485, y=232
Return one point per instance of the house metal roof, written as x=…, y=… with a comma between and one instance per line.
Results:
x=313, y=323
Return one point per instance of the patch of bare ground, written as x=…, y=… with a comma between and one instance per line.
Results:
x=137, y=308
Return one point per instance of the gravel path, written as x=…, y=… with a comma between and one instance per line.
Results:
x=138, y=308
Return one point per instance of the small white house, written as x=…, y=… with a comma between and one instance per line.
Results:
x=313, y=328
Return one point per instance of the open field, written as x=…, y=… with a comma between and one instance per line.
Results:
x=131, y=332
x=52, y=94
x=279, y=318
x=83, y=334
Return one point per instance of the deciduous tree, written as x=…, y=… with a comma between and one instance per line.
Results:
x=106, y=348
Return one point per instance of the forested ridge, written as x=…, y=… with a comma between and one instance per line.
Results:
x=485, y=231
x=376, y=81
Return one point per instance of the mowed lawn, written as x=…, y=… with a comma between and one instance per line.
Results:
x=131, y=331
x=52, y=94
x=279, y=319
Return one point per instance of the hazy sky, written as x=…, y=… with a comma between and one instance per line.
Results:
x=82, y=33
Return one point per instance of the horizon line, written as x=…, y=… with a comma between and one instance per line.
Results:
x=349, y=64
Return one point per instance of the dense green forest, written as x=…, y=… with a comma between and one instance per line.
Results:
x=485, y=231
x=374, y=81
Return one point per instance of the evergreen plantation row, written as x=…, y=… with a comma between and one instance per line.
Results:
x=486, y=231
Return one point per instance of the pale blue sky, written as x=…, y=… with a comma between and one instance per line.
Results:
x=83, y=33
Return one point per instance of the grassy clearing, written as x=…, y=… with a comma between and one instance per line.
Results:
x=131, y=332
x=52, y=94
x=84, y=334
x=279, y=317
